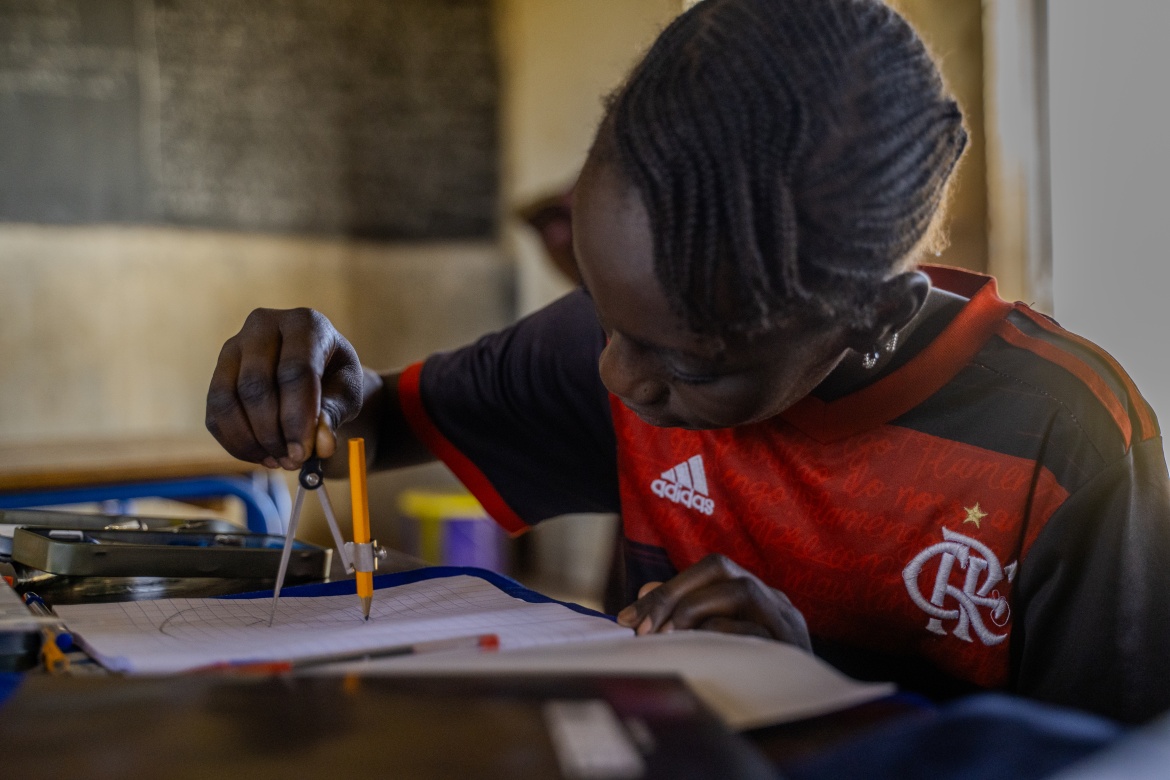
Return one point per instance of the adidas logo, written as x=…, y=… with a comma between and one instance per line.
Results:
x=685, y=484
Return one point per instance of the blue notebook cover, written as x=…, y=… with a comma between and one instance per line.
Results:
x=344, y=587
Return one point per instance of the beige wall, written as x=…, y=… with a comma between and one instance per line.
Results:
x=560, y=58
x=1019, y=247
x=953, y=31
x=107, y=331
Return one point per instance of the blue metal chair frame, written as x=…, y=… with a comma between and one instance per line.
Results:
x=265, y=496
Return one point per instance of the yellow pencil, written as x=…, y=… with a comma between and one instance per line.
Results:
x=361, y=517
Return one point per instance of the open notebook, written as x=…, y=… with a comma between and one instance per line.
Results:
x=176, y=635
x=747, y=681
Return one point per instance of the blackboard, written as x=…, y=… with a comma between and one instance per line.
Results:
x=374, y=118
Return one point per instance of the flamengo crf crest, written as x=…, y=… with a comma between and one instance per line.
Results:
x=947, y=601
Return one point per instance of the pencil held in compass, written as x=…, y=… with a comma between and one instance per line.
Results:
x=361, y=518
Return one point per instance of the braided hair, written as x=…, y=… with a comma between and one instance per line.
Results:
x=790, y=154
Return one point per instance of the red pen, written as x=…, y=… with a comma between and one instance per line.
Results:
x=481, y=643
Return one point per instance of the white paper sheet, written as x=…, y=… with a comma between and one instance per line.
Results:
x=175, y=635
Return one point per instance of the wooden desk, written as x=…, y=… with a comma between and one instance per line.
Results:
x=62, y=464
x=84, y=471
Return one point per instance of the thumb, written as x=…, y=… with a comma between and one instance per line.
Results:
x=649, y=586
x=629, y=616
x=326, y=438
x=342, y=382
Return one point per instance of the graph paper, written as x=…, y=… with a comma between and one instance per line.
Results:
x=174, y=635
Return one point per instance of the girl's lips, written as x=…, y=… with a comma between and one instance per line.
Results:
x=653, y=417
x=659, y=419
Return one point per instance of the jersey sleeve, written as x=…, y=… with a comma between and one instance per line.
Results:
x=1093, y=629
x=521, y=416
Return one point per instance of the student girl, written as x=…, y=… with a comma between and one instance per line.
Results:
x=809, y=435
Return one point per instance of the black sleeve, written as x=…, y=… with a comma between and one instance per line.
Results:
x=526, y=406
x=1093, y=596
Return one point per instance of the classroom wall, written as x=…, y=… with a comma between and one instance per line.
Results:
x=1107, y=70
x=109, y=331
x=953, y=32
x=164, y=168
x=1015, y=98
x=559, y=59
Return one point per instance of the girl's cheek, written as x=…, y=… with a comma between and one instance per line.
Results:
x=729, y=404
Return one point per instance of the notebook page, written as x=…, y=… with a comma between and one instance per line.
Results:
x=173, y=635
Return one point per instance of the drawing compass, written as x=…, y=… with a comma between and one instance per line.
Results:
x=362, y=554
x=312, y=478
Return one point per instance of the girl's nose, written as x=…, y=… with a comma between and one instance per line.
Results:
x=631, y=373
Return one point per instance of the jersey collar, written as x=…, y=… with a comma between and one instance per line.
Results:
x=927, y=372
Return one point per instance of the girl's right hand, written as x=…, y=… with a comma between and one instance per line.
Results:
x=282, y=387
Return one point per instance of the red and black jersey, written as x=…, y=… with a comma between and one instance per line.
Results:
x=996, y=506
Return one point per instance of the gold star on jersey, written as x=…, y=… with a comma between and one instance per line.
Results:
x=974, y=514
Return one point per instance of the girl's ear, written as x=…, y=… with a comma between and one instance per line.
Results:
x=899, y=300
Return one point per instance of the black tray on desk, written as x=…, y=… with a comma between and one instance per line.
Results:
x=163, y=554
x=11, y=519
x=75, y=581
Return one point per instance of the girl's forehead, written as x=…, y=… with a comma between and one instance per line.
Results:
x=614, y=246
x=611, y=233
x=615, y=256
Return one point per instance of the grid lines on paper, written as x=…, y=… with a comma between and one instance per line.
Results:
x=170, y=635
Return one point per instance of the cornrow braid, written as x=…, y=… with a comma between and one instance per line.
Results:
x=788, y=152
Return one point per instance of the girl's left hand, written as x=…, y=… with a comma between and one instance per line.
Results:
x=717, y=594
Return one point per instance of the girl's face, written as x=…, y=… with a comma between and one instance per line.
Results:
x=664, y=372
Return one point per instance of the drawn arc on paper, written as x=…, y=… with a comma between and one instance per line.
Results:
x=197, y=623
